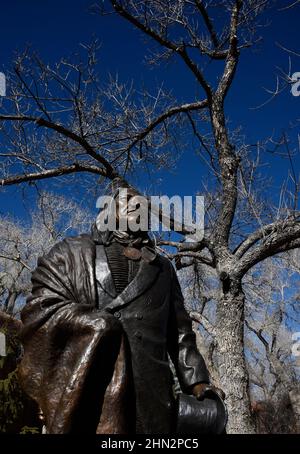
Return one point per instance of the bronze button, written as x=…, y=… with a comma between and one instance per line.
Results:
x=117, y=314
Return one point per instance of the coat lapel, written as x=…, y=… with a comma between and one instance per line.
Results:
x=144, y=278
x=103, y=274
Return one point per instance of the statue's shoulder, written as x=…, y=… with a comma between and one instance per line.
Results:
x=82, y=241
x=72, y=243
x=164, y=261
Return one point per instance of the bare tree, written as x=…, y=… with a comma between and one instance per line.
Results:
x=61, y=121
x=22, y=243
x=272, y=294
x=272, y=314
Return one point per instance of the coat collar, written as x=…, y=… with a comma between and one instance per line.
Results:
x=144, y=278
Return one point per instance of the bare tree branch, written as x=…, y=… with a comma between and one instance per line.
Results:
x=178, y=48
x=64, y=170
x=286, y=238
x=208, y=22
x=203, y=321
x=109, y=171
x=169, y=113
x=233, y=54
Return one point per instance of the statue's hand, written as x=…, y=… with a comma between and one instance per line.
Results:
x=202, y=390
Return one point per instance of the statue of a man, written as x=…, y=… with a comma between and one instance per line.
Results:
x=105, y=314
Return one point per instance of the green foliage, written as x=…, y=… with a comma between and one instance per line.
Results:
x=29, y=430
x=17, y=413
x=11, y=401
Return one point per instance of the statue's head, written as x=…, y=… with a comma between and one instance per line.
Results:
x=125, y=210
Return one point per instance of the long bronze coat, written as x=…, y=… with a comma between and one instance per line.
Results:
x=75, y=331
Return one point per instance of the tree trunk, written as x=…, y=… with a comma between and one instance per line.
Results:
x=10, y=324
x=294, y=395
x=207, y=351
x=231, y=361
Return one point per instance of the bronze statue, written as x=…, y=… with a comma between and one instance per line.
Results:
x=105, y=312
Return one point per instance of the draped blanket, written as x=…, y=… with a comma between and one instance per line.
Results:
x=65, y=337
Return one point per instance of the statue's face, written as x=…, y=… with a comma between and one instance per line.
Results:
x=129, y=209
x=127, y=212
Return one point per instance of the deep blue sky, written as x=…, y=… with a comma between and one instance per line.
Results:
x=55, y=28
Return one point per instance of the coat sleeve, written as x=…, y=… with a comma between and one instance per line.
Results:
x=188, y=362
